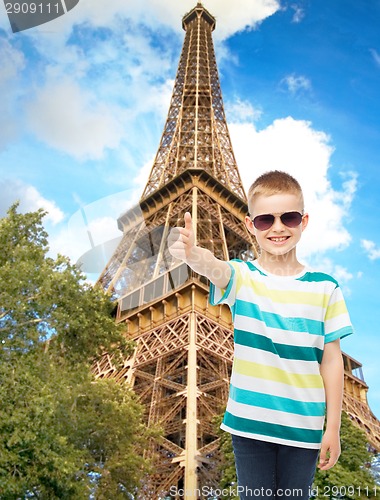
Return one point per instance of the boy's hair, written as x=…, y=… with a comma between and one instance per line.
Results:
x=274, y=182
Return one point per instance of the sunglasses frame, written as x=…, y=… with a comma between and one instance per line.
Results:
x=274, y=218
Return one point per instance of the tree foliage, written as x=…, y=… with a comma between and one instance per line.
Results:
x=228, y=481
x=62, y=435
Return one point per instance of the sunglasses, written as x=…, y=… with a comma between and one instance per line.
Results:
x=265, y=221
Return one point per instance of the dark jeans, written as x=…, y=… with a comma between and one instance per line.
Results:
x=269, y=470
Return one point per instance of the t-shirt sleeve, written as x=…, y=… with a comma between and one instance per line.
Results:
x=228, y=294
x=337, y=320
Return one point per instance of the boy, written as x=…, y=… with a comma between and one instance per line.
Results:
x=288, y=367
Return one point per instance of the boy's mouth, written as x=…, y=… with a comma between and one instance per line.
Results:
x=278, y=239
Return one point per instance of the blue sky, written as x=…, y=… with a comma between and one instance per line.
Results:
x=85, y=97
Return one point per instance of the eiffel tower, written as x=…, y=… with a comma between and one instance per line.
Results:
x=181, y=365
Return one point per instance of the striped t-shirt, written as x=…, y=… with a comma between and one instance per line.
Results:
x=281, y=324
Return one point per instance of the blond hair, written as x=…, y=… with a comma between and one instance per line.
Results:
x=274, y=182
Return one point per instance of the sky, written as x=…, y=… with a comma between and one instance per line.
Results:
x=84, y=100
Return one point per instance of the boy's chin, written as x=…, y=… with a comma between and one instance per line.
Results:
x=279, y=252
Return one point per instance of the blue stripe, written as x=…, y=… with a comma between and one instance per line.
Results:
x=284, y=351
x=273, y=320
x=339, y=334
x=272, y=430
x=279, y=403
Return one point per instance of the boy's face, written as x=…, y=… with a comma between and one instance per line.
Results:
x=278, y=239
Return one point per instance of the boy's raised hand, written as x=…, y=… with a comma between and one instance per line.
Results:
x=181, y=244
x=181, y=239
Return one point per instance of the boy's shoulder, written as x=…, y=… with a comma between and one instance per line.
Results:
x=317, y=275
x=246, y=265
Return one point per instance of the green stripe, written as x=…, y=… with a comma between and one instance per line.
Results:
x=284, y=351
x=272, y=430
x=279, y=403
x=273, y=320
x=317, y=277
x=252, y=267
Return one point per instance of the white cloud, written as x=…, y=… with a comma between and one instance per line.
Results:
x=342, y=274
x=70, y=119
x=146, y=58
x=95, y=224
x=78, y=237
x=12, y=63
x=114, y=80
x=373, y=252
x=375, y=55
x=295, y=84
x=87, y=98
x=242, y=111
x=142, y=178
x=29, y=198
x=295, y=147
x=231, y=17
x=4, y=23
x=299, y=13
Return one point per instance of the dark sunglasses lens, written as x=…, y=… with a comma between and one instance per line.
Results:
x=263, y=222
x=291, y=219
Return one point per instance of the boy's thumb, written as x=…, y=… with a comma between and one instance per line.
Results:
x=188, y=221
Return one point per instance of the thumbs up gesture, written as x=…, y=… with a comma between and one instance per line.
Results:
x=181, y=239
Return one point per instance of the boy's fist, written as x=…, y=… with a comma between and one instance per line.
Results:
x=181, y=239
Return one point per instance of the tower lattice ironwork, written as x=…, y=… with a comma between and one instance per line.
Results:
x=181, y=365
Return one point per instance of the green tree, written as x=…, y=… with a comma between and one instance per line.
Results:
x=228, y=478
x=350, y=478
x=62, y=435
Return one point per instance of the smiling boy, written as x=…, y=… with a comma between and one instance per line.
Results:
x=288, y=369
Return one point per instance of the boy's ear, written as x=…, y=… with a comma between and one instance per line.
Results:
x=305, y=221
x=249, y=224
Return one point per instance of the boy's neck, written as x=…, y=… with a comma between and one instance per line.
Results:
x=281, y=265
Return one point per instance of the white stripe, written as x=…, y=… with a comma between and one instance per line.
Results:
x=270, y=439
x=263, y=386
x=274, y=416
x=336, y=323
x=337, y=296
x=268, y=287
x=283, y=284
x=266, y=358
x=277, y=335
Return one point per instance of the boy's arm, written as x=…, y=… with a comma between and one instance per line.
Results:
x=181, y=244
x=332, y=374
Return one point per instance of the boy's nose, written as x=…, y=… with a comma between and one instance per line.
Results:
x=278, y=224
